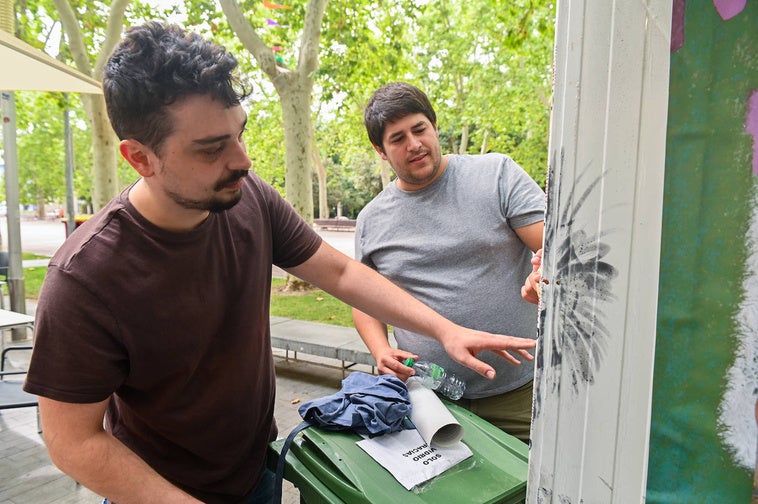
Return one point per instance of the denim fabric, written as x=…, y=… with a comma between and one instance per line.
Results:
x=264, y=489
x=366, y=404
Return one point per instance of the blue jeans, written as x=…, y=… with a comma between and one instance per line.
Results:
x=262, y=494
x=264, y=489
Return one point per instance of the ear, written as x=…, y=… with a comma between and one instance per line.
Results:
x=379, y=149
x=140, y=156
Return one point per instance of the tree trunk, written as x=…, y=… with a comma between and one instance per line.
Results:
x=323, y=203
x=298, y=184
x=294, y=88
x=104, y=141
x=104, y=152
x=464, y=140
x=460, y=99
x=41, y=212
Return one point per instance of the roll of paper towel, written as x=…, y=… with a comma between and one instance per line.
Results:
x=432, y=419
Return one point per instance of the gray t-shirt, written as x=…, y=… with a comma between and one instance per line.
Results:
x=453, y=246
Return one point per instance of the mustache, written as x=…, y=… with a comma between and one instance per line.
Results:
x=234, y=177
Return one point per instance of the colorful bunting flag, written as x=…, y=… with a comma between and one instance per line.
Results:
x=271, y=5
x=271, y=22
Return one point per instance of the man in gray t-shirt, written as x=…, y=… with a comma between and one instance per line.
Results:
x=458, y=232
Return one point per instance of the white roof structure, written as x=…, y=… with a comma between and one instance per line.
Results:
x=25, y=68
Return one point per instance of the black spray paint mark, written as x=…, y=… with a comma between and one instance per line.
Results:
x=580, y=284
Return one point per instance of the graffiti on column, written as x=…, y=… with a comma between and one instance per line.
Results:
x=581, y=285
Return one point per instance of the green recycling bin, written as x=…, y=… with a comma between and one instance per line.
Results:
x=328, y=467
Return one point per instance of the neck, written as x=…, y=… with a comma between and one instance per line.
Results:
x=401, y=184
x=161, y=211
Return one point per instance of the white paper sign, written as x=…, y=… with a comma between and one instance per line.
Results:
x=410, y=459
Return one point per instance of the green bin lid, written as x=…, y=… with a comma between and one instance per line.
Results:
x=329, y=467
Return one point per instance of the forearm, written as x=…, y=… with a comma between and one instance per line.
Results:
x=107, y=467
x=389, y=360
x=372, y=332
x=82, y=449
x=371, y=293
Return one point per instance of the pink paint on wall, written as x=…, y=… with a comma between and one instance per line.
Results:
x=751, y=126
x=677, y=25
x=727, y=9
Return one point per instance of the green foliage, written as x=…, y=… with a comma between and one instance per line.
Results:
x=352, y=182
x=485, y=65
x=264, y=137
x=40, y=143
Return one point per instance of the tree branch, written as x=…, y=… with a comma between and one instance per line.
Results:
x=249, y=38
x=314, y=15
x=112, y=34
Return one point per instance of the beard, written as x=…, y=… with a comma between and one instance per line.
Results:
x=213, y=204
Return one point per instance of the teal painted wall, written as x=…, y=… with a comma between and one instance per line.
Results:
x=708, y=197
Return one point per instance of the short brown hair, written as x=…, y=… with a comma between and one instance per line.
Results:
x=391, y=103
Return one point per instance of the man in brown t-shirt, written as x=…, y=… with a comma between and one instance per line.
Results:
x=154, y=313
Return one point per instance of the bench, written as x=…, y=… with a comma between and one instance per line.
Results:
x=322, y=340
x=338, y=224
x=12, y=394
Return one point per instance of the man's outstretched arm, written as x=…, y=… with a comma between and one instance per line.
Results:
x=365, y=289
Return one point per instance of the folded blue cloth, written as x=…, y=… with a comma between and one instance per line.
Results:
x=367, y=404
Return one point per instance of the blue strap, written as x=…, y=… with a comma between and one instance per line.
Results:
x=282, y=456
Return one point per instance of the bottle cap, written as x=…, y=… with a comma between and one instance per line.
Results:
x=409, y=362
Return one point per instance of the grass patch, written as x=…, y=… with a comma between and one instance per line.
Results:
x=314, y=306
x=33, y=278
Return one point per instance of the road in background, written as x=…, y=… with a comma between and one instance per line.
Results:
x=37, y=236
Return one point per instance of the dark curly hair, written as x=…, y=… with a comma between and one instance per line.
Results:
x=156, y=65
x=391, y=103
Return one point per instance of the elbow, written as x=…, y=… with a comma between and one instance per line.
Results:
x=70, y=437
x=62, y=453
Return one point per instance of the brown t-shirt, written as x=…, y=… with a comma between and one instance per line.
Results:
x=174, y=327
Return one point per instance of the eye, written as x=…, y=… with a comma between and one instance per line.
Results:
x=213, y=151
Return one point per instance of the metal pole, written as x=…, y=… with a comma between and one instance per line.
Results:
x=70, y=211
x=15, y=266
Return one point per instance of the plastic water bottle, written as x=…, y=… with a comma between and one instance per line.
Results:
x=436, y=378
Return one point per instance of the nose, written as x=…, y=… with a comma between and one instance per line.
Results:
x=240, y=160
x=414, y=143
